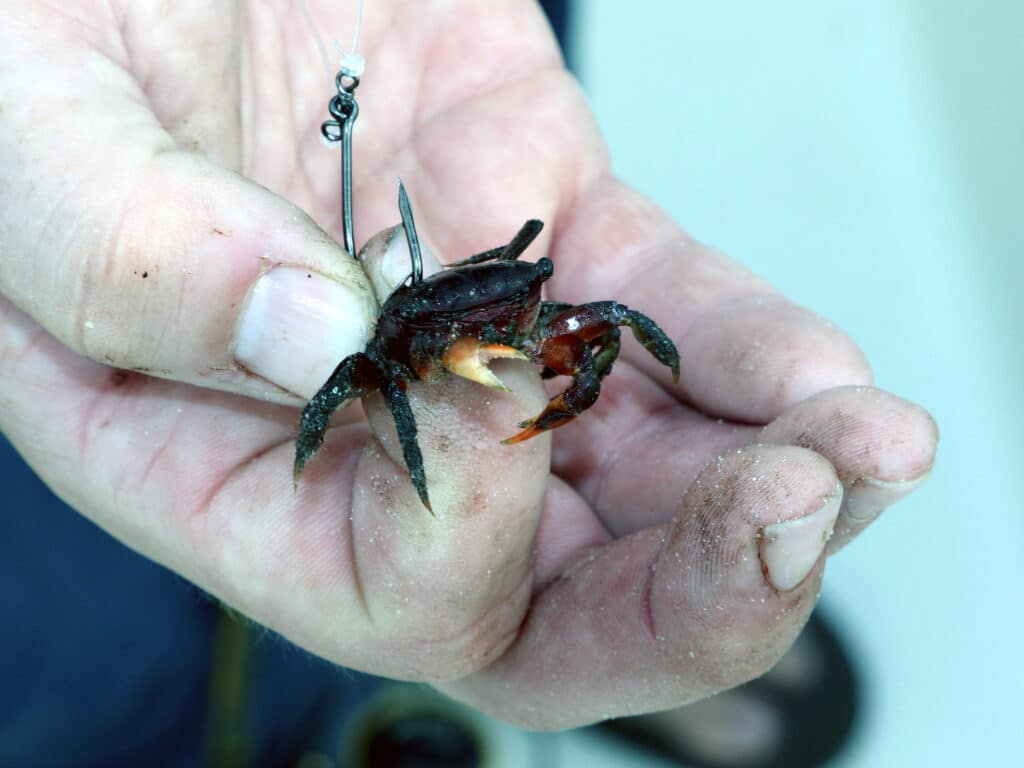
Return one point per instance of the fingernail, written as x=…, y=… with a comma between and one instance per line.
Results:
x=868, y=497
x=297, y=325
x=387, y=262
x=789, y=550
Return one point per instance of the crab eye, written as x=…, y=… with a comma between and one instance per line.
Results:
x=544, y=268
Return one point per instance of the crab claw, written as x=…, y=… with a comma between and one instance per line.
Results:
x=468, y=357
x=556, y=414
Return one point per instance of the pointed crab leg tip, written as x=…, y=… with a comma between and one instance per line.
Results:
x=426, y=503
x=526, y=434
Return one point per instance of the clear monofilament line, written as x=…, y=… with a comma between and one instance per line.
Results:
x=317, y=38
x=351, y=60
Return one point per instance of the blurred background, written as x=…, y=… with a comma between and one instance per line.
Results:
x=864, y=156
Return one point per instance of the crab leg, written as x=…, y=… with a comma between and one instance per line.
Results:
x=562, y=343
x=568, y=355
x=526, y=235
x=393, y=389
x=608, y=352
x=355, y=376
x=593, y=321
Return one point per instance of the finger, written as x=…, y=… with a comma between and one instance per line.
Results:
x=638, y=443
x=747, y=354
x=351, y=567
x=674, y=613
x=883, y=448
x=146, y=257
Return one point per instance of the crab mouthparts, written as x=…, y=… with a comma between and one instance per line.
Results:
x=468, y=357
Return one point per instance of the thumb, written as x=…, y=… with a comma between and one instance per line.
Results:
x=143, y=256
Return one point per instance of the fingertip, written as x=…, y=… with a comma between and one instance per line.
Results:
x=739, y=572
x=739, y=495
x=882, y=446
x=863, y=431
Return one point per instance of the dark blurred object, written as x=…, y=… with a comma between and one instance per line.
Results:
x=423, y=742
x=558, y=13
x=798, y=715
x=410, y=726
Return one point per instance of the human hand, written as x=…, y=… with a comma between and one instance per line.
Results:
x=644, y=570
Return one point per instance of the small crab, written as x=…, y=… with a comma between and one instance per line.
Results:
x=474, y=311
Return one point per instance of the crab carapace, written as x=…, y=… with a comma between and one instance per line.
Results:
x=457, y=320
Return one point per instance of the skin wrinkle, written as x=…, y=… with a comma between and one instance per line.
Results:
x=201, y=509
x=111, y=257
x=479, y=652
x=157, y=455
x=357, y=579
x=51, y=223
x=646, y=614
x=89, y=423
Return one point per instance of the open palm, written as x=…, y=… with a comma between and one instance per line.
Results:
x=666, y=545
